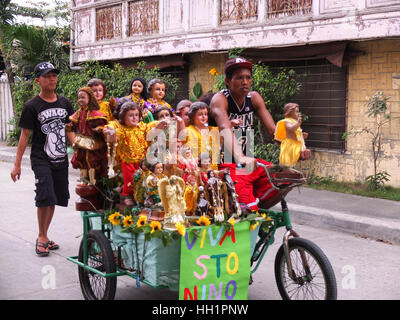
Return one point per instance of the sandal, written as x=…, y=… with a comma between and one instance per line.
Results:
x=42, y=245
x=52, y=245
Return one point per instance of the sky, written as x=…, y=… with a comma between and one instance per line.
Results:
x=35, y=21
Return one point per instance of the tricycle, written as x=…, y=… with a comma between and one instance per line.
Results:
x=302, y=270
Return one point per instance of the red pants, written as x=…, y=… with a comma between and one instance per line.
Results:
x=128, y=169
x=251, y=186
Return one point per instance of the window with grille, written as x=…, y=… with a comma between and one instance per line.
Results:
x=282, y=8
x=322, y=99
x=181, y=73
x=238, y=10
x=143, y=17
x=109, y=23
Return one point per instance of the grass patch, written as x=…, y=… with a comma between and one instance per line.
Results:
x=357, y=188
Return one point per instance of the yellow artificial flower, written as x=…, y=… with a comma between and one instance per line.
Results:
x=269, y=219
x=181, y=228
x=141, y=221
x=231, y=221
x=264, y=215
x=253, y=226
x=115, y=219
x=203, y=221
x=127, y=221
x=155, y=225
x=213, y=72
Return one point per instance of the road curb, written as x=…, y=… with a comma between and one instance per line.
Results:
x=7, y=156
x=378, y=229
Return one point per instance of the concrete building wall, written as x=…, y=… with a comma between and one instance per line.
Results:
x=200, y=65
x=368, y=74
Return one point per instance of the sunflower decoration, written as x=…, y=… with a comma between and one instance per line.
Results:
x=232, y=221
x=181, y=228
x=155, y=226
x=115, y=218
x=265, y=216
x=203, y=221
x=253, y=226
x=127, y=221
x=142, y=221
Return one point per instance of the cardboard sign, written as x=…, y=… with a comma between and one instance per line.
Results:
x=216, y=265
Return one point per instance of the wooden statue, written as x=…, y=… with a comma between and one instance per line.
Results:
x=90, y=152
x=289, y=133
x=232, y=206
x=191, y=192
x=203, y=206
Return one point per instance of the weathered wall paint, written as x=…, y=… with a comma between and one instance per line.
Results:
x=192, y=26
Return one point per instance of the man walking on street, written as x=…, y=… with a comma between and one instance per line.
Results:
x=238, y=102
x=46, y=115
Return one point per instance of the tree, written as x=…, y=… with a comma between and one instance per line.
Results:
x=29, y=45
x=23, y=46
x=377, y=106
x=7, y=16
x=7, y=12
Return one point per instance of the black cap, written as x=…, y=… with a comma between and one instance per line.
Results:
x=43, y=68
x=237, y=63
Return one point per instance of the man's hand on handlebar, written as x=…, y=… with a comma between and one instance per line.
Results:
x=250, y=164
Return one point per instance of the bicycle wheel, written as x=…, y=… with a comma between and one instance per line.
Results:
x=100, y=257
x=313, y=281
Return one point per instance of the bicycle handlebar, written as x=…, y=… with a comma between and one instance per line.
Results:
x=268, y=174
x=267, y=171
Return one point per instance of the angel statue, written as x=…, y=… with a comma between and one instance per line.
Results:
x=171, y=191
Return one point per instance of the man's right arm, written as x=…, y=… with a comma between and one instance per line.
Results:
x=23, y=142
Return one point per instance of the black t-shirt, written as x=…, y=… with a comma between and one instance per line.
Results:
x=47, y=121
x=243, y=133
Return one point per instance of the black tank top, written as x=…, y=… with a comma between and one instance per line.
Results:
x=244, y=133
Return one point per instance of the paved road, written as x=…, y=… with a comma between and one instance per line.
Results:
x=365, y=268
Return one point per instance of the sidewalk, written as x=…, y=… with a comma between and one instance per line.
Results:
x=362, y=216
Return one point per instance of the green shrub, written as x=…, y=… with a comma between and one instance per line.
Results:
x=22, y=92
x=117, y=81
x=377, y=181
x=269, y=152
